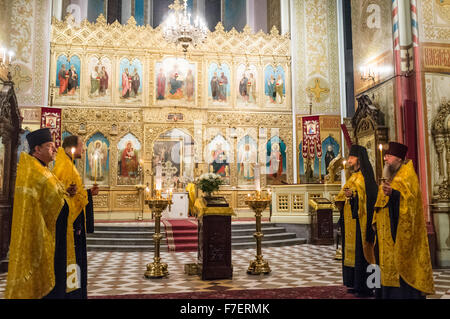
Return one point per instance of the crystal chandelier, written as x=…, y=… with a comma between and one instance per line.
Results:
x=178, y=28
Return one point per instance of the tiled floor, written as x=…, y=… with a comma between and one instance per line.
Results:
x=121, y=273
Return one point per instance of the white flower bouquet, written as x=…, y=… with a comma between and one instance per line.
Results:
x=209, y=182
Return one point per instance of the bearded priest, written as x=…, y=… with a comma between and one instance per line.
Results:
x=356, y=202
x=404, y=253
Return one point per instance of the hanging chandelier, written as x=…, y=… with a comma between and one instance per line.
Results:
x=178, y=28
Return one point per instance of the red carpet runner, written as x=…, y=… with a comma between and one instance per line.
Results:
x=322, y=292
x=181, y=234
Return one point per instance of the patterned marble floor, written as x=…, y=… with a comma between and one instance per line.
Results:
x=121, y=273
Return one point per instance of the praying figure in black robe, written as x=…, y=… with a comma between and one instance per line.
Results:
x=356, y=203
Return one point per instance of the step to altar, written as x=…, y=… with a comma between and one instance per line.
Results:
x=108, y=237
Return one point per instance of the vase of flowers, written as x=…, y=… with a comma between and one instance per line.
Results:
x=209, y=183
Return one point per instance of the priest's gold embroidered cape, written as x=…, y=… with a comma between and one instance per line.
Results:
x=355, y=183
x=67, y=173
x=409, y=256
x=38, y=200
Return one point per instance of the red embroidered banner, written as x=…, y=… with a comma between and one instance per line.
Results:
x=51, y=118
x=311, y=137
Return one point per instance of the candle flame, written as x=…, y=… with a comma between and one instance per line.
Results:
x=380, y=147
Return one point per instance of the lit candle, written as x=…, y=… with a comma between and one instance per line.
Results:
x=73, y=152
x=381, y=158
x=3, y=50
x=257, y=177
x=343, y=177
x=170, y=193
x=10, y=53
x=159, y=177
x=95, y=168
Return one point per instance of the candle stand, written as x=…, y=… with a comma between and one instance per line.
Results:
x=157, y=205
x=258, y=205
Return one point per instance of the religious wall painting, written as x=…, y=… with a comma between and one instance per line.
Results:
x=97, y=160
x=368, y=141
x=99, y=86
x=274, y=85
x=276, y=161
x=247, y=86
x=23, y=143
x=168, y=153
x=68, y=71
x=330, y=149
x=129, y=169
x=130, y=81
x=218, y=157
x=219, y=81
x=175, y=82
x=2, y=164
x=247, y=156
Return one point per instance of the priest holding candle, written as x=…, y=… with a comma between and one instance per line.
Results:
x=405, y=263
x=81, y=215
x=356, y=202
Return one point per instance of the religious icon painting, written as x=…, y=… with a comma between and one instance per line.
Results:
x=219, y=80
x=218, y=158
x=129, y=170
x=23, y=146
x=175, y=82
x=130, y=81
x=169, y=153
x=247, y=156
x=247, y=88
x=97, y=160
x=274, y=86
x=331, y=150
x=67, y=79
x=276, y=161
x=99, y=79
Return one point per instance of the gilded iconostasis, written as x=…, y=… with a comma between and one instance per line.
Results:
x=138, y=101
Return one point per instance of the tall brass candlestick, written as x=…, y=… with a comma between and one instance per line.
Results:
x=156, y=269
x=258, y=205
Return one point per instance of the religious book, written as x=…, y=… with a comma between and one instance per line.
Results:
x=215, y=201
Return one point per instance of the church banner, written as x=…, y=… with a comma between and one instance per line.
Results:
x=51, y=118
x=311, y=137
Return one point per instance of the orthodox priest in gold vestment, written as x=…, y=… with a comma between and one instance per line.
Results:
x=81, y=216
x=404, y=255
x=37, y=261
x=356, y=202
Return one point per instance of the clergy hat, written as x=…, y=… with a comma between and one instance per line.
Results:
x=357, y=150
x=39, y=137
x=397, y=149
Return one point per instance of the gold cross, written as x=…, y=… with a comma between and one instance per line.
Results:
x=317, y=90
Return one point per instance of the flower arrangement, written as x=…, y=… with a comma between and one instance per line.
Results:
x=209, y=182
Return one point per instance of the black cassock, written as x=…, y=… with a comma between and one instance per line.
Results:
x=79, y=234
x=60, y=259
x=355, y=278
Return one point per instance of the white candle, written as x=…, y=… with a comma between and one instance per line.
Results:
x=95, y=169
x=3, y=54
x=159, y=177
x=343, y=180
x=257, y=178
x=10, y=53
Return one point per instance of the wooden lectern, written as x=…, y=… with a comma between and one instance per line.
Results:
x=214, y=241
x=321, y=210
